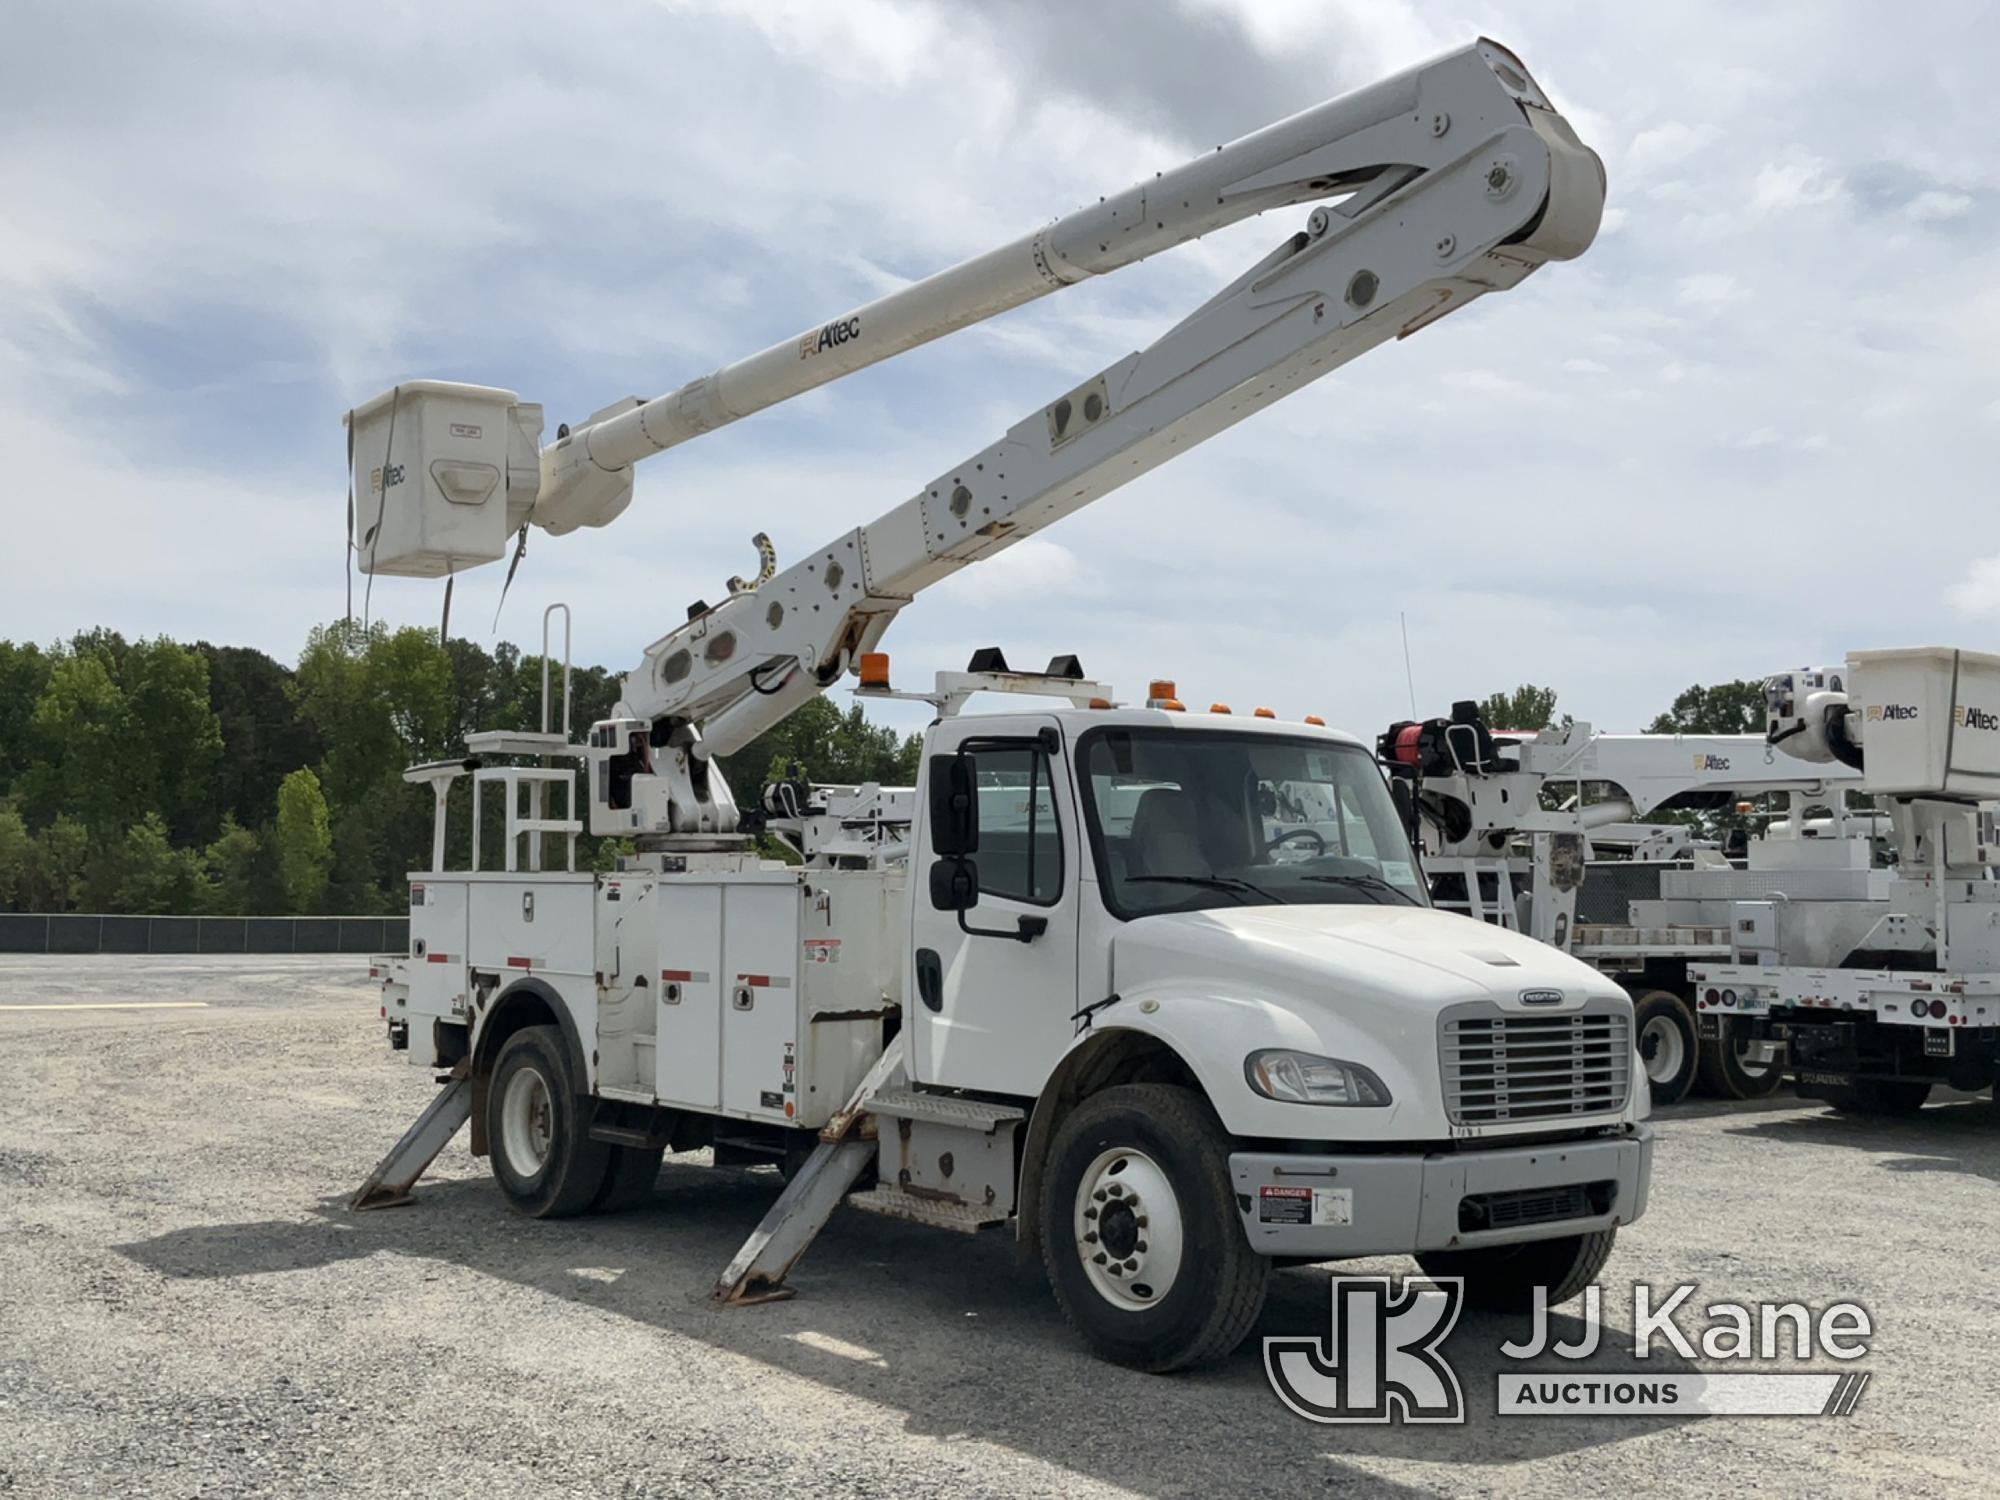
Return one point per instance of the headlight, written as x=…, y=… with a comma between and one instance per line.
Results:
x=1302, y=1078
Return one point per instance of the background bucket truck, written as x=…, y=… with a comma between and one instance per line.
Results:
x=1506, y=823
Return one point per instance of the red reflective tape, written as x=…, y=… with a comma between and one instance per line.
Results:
x=440, y=958
x=678, y=976
x=756, y=981
x=520, y=963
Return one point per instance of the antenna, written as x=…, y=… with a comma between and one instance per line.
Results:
x=1408, y=676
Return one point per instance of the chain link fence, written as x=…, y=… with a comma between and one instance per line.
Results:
x=22, y=932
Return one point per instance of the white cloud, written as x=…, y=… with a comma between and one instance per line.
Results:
x=1933, y=206
x=1977, y=594
x=1800, y=182
x=1034, y=569
x=1668, y=144
x=1708, y=289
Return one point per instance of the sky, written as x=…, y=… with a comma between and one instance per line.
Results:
x=1749, y=430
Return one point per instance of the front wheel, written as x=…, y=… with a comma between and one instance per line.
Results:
x=543, y=1157
x=1141, y=1238
x=1503, y=1278
x=1666, y=1044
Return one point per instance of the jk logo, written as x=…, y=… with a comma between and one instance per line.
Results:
x=1380, y=1361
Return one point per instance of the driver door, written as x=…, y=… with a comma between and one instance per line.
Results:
x=990, y=1011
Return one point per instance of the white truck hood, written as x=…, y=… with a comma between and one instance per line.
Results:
x=1425, y=958
x=1368, y=984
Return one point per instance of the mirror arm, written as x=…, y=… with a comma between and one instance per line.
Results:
x=1026, y=929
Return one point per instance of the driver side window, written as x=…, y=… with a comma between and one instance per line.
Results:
x=1020, y=841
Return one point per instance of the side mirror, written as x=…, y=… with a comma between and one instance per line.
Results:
x=954, y=809
x=954, y=884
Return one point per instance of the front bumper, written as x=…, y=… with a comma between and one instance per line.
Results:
x=1343, y=1207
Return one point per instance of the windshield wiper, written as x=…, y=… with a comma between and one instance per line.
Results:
x=1367, y=883
x=1229, y=883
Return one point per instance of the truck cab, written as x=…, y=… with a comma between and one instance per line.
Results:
x=1227, y=910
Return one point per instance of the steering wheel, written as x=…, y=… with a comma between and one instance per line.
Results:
x=1300, y=833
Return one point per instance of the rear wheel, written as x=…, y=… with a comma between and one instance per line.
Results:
x=629, y=1179
x=1503, y=1278
x=1728, y=1072
x=1879, y=1096
x=1666, y=1044
x=1141, y=1238
x=543, y=1157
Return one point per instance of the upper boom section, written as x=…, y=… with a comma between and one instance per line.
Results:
x=1464, y=187
x=1363, y=143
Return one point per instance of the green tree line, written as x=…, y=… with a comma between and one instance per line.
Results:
x=1720, y=708
x=153, y=776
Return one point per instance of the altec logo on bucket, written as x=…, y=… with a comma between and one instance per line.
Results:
x=1965, y=716
x=1383, y=1358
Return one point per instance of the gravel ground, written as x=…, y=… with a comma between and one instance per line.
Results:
x=186, y=1309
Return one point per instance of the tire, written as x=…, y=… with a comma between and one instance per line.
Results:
x=1503, y=1278
x=1879, y=1096
x=1186, y=1303
x=629, y=1179
x=1667, y=1044
x=1725, y=1074
x=543, y=1158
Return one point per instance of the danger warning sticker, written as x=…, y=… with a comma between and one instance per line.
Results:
x=1305, y=1205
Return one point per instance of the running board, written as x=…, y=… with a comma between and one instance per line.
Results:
x=388, y=1186
x=939, y=1213
x=757, y=1274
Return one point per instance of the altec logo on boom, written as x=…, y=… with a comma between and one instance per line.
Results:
x=1877, y=712
x=840, y=331
x=1711, y=762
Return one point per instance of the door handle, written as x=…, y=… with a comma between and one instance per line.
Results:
x=930, y=978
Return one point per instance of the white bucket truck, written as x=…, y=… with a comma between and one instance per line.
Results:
x=1163, y=991
x=1907, y=998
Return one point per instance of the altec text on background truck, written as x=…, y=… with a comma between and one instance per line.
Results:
x=1163, y=991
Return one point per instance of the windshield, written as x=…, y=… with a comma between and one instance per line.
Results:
x=1182, y=820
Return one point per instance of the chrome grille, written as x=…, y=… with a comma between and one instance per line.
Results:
x=1503, y=1068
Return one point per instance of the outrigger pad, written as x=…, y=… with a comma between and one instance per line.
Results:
x=388, y=1186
